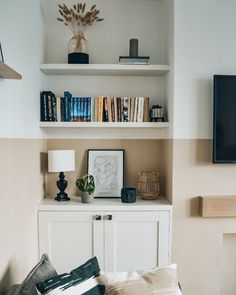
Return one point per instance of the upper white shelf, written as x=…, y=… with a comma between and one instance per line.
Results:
x=104, y=124
x=104, y=69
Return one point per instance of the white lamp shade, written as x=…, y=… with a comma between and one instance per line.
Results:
x=61, y=160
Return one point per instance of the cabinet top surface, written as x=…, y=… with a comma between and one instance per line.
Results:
x=106, y=204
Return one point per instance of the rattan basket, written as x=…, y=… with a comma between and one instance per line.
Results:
x=148, y=185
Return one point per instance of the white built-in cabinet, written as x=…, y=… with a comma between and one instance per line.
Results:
x=122, y=236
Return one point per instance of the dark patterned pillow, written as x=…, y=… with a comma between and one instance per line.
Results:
x=82, y=280
x=42, y=271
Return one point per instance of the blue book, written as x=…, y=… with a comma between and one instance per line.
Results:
x=79, y=109
x=89, y=109
x=76, y=109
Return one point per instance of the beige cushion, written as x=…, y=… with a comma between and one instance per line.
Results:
x=158, y=281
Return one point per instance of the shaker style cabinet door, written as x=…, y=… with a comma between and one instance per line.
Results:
x=136, y=240
x=71, y=238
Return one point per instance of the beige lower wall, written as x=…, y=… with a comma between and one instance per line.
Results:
x=198, y=245
x=21, y=188
x=198, y=242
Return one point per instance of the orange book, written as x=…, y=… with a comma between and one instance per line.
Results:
x=100, y=109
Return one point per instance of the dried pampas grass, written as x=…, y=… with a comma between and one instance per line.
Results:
x=76, y=18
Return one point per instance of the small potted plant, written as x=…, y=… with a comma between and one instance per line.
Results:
x=86, y=186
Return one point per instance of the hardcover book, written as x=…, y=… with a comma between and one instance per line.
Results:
x=139, y=60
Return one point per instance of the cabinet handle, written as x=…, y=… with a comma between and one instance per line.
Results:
x=98, y=217
x=109, y=217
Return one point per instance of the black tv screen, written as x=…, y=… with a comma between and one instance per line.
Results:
x=224, y=119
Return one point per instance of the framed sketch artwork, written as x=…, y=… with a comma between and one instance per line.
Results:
x=107, y=167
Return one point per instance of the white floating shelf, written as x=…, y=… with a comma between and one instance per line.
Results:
x=104, y=69
x=104, y=124
x=7, y=72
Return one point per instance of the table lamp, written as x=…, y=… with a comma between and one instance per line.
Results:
x=61, y=161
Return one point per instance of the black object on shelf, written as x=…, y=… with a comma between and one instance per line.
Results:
x=78, y=58
x=128, y=195
x=62, y=185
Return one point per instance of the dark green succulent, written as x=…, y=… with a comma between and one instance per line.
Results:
x=86, y=183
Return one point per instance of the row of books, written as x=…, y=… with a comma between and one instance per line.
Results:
x=93, y=109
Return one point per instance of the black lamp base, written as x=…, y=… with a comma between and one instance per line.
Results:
x=61, y=197
x=62, y=184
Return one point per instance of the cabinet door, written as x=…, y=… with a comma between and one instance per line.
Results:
x=136, y=240
x=70, y=238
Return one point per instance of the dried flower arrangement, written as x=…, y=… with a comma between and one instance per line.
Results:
x=76, y=18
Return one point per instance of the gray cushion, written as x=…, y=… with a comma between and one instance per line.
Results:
x=43, y=270
x=14, y=290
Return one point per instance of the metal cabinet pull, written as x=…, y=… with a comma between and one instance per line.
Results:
x=109, y=217
x=98, y=217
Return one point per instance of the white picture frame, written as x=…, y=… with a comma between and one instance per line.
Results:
x=107, y=167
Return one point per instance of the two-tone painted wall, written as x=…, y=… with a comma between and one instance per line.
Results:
x=204, y=44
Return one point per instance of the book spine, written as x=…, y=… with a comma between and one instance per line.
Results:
x=135, y=108
x=105, y=110
x=80, y=109
x=75, y=107
x=58, y=109
x=115, y=109
x=109, y=109
x=132, y=111
x=89, y=116
x=95, y=102
x=112, y=110
x=49, y=107
x=125, y=109
x=54, y=107
x=72, y=109
x=68, y=97
x=100, y=108
x=85, y=109
x=140, y=109
x=43, y=106
x=63, y=109
x=119, y=109
x=146, y=109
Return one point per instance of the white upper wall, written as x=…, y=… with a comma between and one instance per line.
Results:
x=205, y=44
x=22, y=42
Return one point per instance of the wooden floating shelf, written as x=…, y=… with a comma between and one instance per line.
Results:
x=104, y=124
x=218, y=206
x=104, y=69
x=7, y=72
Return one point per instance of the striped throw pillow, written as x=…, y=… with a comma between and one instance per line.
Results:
x=82, y=280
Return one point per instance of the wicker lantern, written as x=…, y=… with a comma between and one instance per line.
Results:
x=148, y=185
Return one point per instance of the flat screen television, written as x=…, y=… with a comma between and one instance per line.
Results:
x=224, y=119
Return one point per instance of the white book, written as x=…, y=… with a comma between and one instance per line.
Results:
x=58, y=108
x=135, y=109
x=140, y=109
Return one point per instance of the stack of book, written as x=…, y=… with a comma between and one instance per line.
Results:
x=134, y=60
x=93, y=109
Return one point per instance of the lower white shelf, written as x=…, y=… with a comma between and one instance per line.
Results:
x=104, y=124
